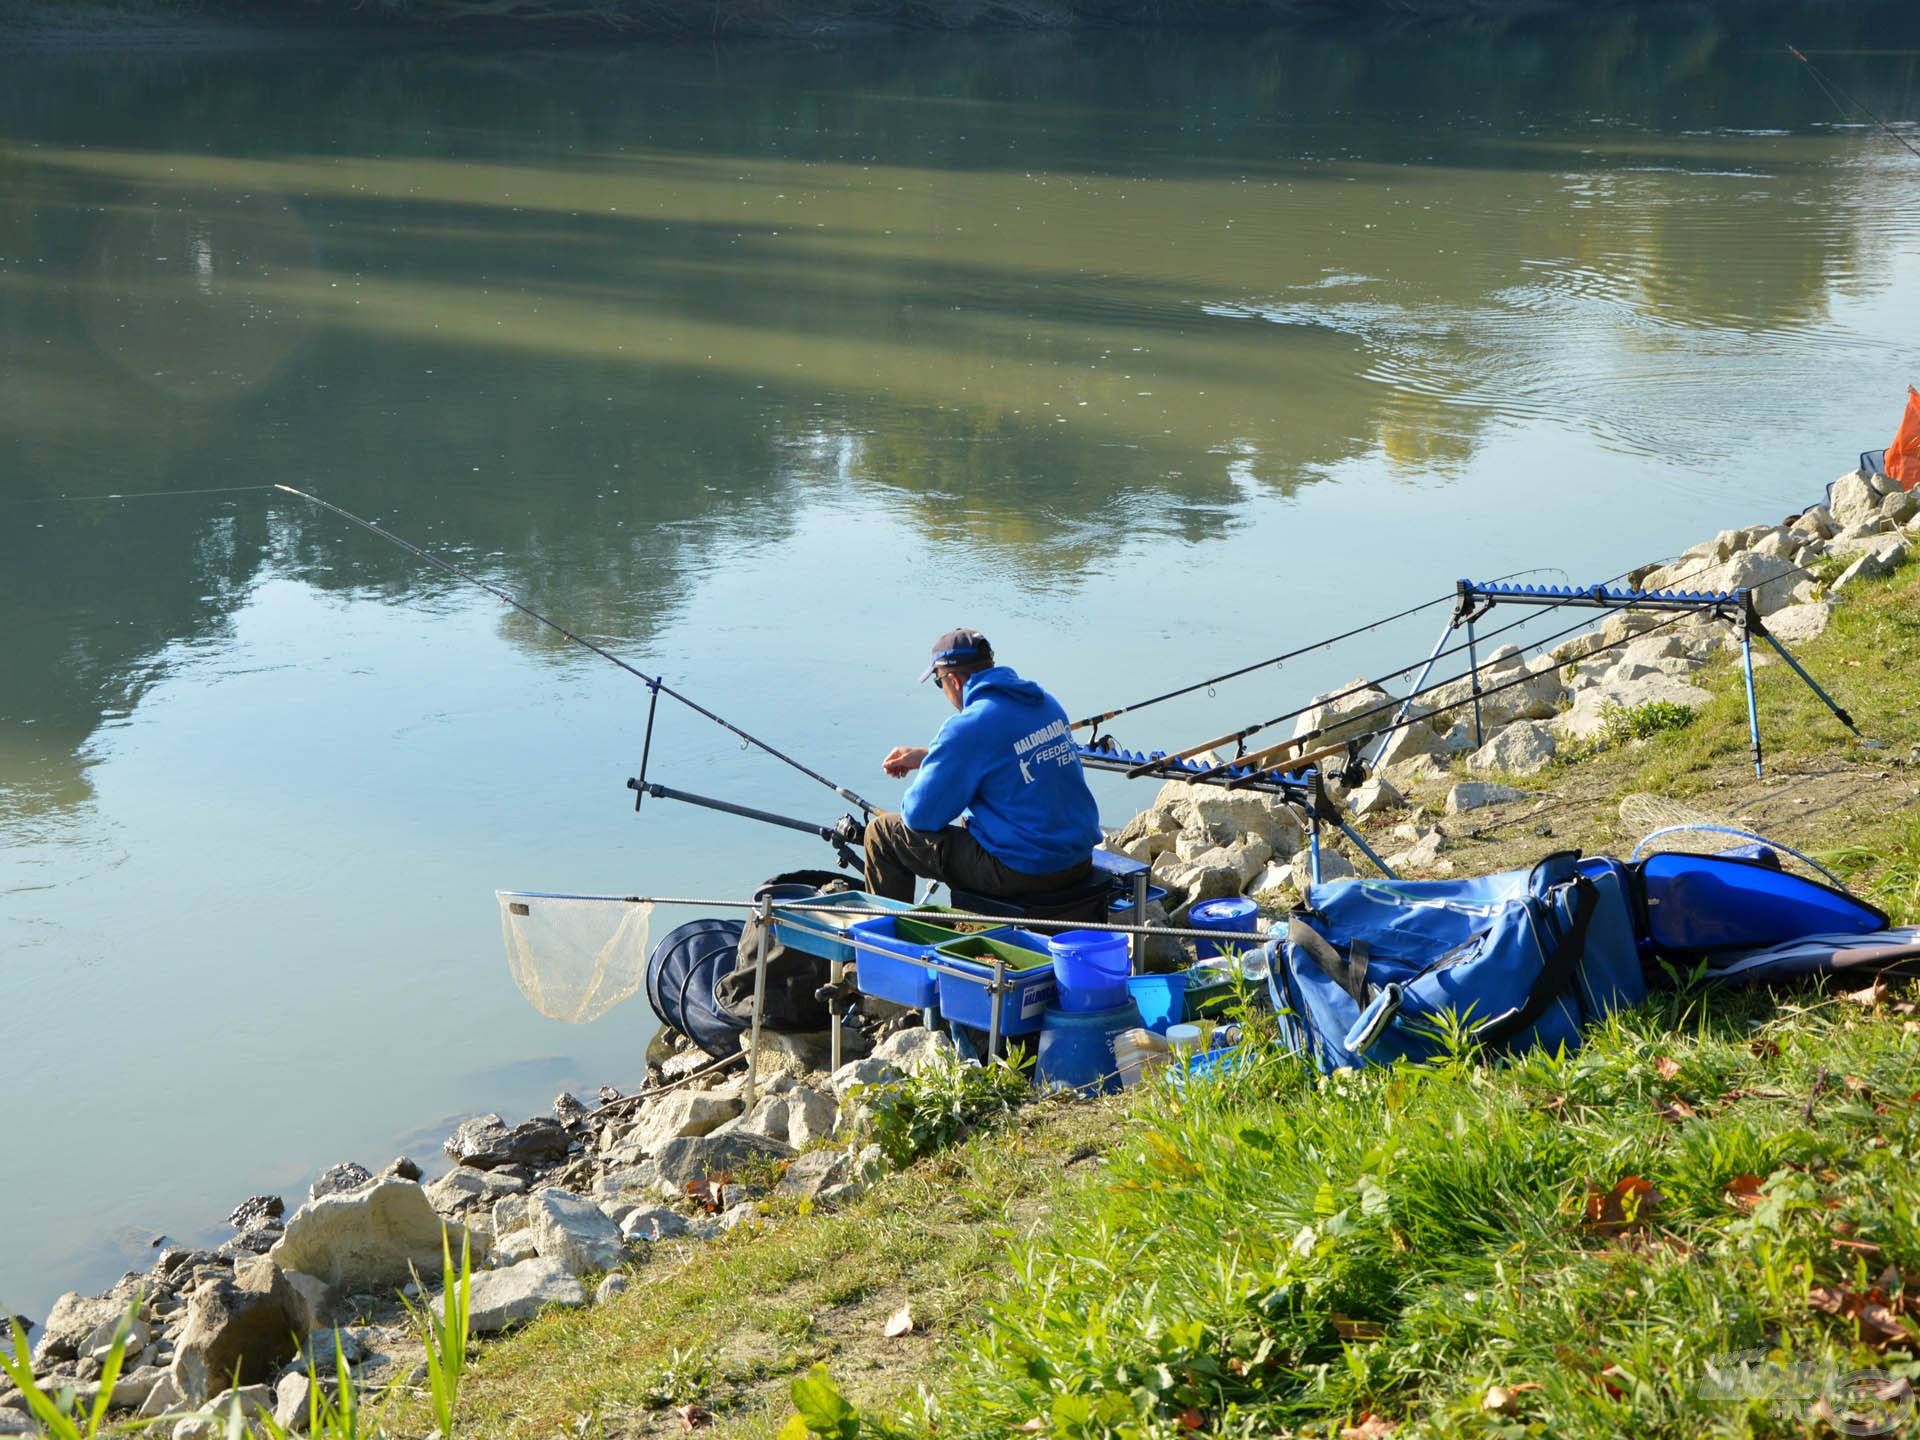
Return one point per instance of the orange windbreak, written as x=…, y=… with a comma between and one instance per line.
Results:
x=1903, y=456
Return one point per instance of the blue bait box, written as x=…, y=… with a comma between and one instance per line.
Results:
x=798, y=924
x=1029, y=974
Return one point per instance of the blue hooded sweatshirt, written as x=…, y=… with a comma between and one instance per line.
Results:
x=1007, y=759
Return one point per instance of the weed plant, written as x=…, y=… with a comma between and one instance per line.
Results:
x=943, y=1101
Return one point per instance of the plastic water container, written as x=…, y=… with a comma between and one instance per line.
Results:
x=1162, y=999
x=1091, y=968
x=1232, y=913
x=1076, y=1047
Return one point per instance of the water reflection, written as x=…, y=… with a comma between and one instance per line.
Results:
x=755, y=355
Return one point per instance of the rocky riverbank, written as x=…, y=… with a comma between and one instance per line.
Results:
x=555, y=1203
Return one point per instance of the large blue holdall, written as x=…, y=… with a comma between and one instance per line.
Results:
x=1370, y=970
x=1373, y=971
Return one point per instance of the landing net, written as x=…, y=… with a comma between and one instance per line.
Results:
x=574, y=957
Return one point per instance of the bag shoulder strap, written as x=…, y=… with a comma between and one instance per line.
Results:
x=1556, y=971
x=1349, y=971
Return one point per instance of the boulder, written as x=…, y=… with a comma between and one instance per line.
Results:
x=1333, y=866
x=1874, y=565
x=813, y=1172
x=1800, y=622
x=501, y=1298
x=810, y=1115
x=341, y=1179
x=870, y=1071
x=486, y=1143
x=1477, y=794
x=292, y=1402
x=513, y=1246
x=1416, y=739
x=796, y=1053
x=1353, y=709
x=509, y=1213
x=238, y=1331
x=312, y=1301
x=1815, y=521
x=573, y=1230
x=463, y=1187
x=1222, y=816
x=1375, y=797
x=130, y=1391
x=682, y=1162
x=99, y=1344
x=1852, y=499
x=368, y=1239
x=399, y=1168
x=1523, y=749
x=1194, y=883
x=73, y=1319
x=610, y=1288
x=642, y=1181
x=163, y=1399
x=1592, y=709
x=915, y=1049
x=654, y=1223
x=257, y=1210
x=672, y=1116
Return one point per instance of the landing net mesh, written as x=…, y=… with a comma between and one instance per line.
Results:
x=574, y=957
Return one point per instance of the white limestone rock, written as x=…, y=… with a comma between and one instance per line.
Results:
x=573, y=1230
x=1592, y=709
x=368, y=1239
x=1478, y=794
x=1525, y=748
x=501, y=1298
x=1800, y=622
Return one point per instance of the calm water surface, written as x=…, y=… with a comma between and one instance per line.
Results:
x=1143, y=354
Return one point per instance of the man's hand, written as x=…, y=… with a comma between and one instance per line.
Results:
x=903, y=760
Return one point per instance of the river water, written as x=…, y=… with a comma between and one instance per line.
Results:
x=1144, y=354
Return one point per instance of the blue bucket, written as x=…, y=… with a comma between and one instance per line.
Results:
x=1230, y=914
x=1162, y=999
x=1091, y=969
x=1076, y=1047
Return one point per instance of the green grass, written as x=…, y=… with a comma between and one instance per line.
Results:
x=1283, y=1252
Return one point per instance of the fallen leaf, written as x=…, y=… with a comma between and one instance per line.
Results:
x=1676, y=1112
x=1497, y=1401
x=1371, y=1427
x=692, y=1417
x=1631, y=1202
x=1526, y=1385
x=1856, y=1083
x=899, y=1323
x=1744, y=1191
x=1667, y=1067
x=1608, y=1376
x=1765, y=1049
x=1825, y=1297
x=1191, y=1419
x=1035, y=1426
x=1347, y=1328
x=1874, y=994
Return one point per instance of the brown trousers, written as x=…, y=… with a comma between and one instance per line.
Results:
x=897, y=854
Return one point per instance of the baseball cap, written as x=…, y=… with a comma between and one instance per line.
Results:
x=958, y=647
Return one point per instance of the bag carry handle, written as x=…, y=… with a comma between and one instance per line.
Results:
x=1349, y=974
x=1556, y=973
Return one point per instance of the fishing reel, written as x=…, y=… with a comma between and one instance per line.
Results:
x=847, y=832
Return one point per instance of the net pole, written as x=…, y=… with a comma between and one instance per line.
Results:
x=759, y=997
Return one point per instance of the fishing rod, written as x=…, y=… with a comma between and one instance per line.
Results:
x=1834, y=94
x=1237, y=737
x=1098, y=720
x=654, y=683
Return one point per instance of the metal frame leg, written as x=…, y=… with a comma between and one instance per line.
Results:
x=993, y=1016
x=1753, y=706
x=759, y=998
x=1313, y=843
x=1419, y=684
x=1366, y=850
x=1473, y=662
x=1812, y=684
x=1138, y=957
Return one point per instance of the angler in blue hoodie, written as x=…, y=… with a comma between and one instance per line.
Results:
x=999, y=805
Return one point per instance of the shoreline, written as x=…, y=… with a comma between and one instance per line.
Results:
x=586, y=1192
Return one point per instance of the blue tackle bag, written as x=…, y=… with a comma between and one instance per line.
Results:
x=1370, y=970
